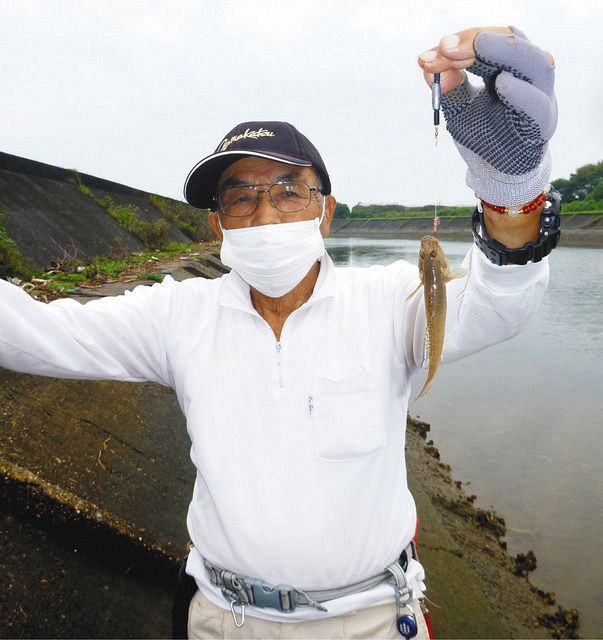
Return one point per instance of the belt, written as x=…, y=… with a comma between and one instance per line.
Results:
x=242, y=590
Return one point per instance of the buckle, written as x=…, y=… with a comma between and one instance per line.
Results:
x=403, y=595
x=281, y=597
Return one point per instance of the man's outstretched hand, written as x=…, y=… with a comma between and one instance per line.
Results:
x=455, y=53
x=501, y=129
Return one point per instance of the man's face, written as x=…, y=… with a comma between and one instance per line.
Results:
x=253, y=170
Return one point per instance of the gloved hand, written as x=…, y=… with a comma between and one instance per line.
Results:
x=501, y=129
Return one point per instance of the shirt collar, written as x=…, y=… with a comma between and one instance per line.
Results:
x=234, y=292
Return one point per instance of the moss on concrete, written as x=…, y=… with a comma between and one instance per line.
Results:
x=12, y=262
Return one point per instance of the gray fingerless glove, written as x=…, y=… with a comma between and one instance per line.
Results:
x=502, y=129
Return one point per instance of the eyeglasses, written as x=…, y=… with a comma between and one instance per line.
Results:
x=288, y=197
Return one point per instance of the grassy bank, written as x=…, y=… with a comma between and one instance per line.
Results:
x=68, y=276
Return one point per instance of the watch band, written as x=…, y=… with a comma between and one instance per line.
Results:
x=548, y=238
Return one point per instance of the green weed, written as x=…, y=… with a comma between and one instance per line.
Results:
x=191, y=221
x=12, y=262
x=153, y=234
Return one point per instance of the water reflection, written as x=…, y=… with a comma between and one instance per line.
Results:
x=362, y=252
x=574, y=292
x=575, y=297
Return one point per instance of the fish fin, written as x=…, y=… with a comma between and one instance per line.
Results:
x=429, y=378
x=456, y=273
x=415, y=291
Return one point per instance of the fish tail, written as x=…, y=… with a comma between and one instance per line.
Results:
x=426, y=386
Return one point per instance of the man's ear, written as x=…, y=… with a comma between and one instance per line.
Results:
x=330, y=205
x=213, y=220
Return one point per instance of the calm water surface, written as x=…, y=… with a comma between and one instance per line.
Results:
x=522, y=421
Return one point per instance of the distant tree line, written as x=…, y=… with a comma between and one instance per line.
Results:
x=341, y=210
x=393, y=211
x=582, y=191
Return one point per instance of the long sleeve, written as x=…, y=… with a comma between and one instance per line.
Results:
x=118, y=338
x=491, y=304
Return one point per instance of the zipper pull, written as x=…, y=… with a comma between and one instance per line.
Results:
x=310, y=405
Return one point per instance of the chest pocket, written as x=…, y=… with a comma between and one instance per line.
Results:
x=347, y=416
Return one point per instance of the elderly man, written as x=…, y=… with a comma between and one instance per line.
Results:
x=294, y=375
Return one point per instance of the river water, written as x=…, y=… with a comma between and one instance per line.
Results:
x=521, y=422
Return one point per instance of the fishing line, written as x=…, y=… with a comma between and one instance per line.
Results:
x=436, y=100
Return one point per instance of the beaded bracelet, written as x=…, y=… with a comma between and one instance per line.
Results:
x=514, y=211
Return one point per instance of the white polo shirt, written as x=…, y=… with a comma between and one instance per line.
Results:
x=298, y=444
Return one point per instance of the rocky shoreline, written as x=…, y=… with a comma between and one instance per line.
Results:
x=477, y=588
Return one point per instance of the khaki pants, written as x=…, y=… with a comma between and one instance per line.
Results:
x=206, y=620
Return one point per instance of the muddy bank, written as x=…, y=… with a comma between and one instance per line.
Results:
x=478, y=590
x=51, y=588
x=95, y=481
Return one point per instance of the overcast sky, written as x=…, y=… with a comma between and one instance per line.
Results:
x=138, y=92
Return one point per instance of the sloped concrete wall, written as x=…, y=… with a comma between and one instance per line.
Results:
x=49, y=218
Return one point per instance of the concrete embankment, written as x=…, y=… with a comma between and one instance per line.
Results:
x=54, y=214
x=580, y=229
x=70, y=569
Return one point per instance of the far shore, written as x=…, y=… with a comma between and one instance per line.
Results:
x=569, y=237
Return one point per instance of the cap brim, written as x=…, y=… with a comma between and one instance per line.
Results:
x=202, y=182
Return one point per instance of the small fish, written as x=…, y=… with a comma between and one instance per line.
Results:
x=434, y=273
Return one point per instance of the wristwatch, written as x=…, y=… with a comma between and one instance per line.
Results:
x=548, y=238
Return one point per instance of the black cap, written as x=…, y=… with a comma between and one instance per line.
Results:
x=278, y=141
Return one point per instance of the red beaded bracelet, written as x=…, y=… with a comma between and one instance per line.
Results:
x=514, y=211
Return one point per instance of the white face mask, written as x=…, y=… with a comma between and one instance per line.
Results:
x=274, y=258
